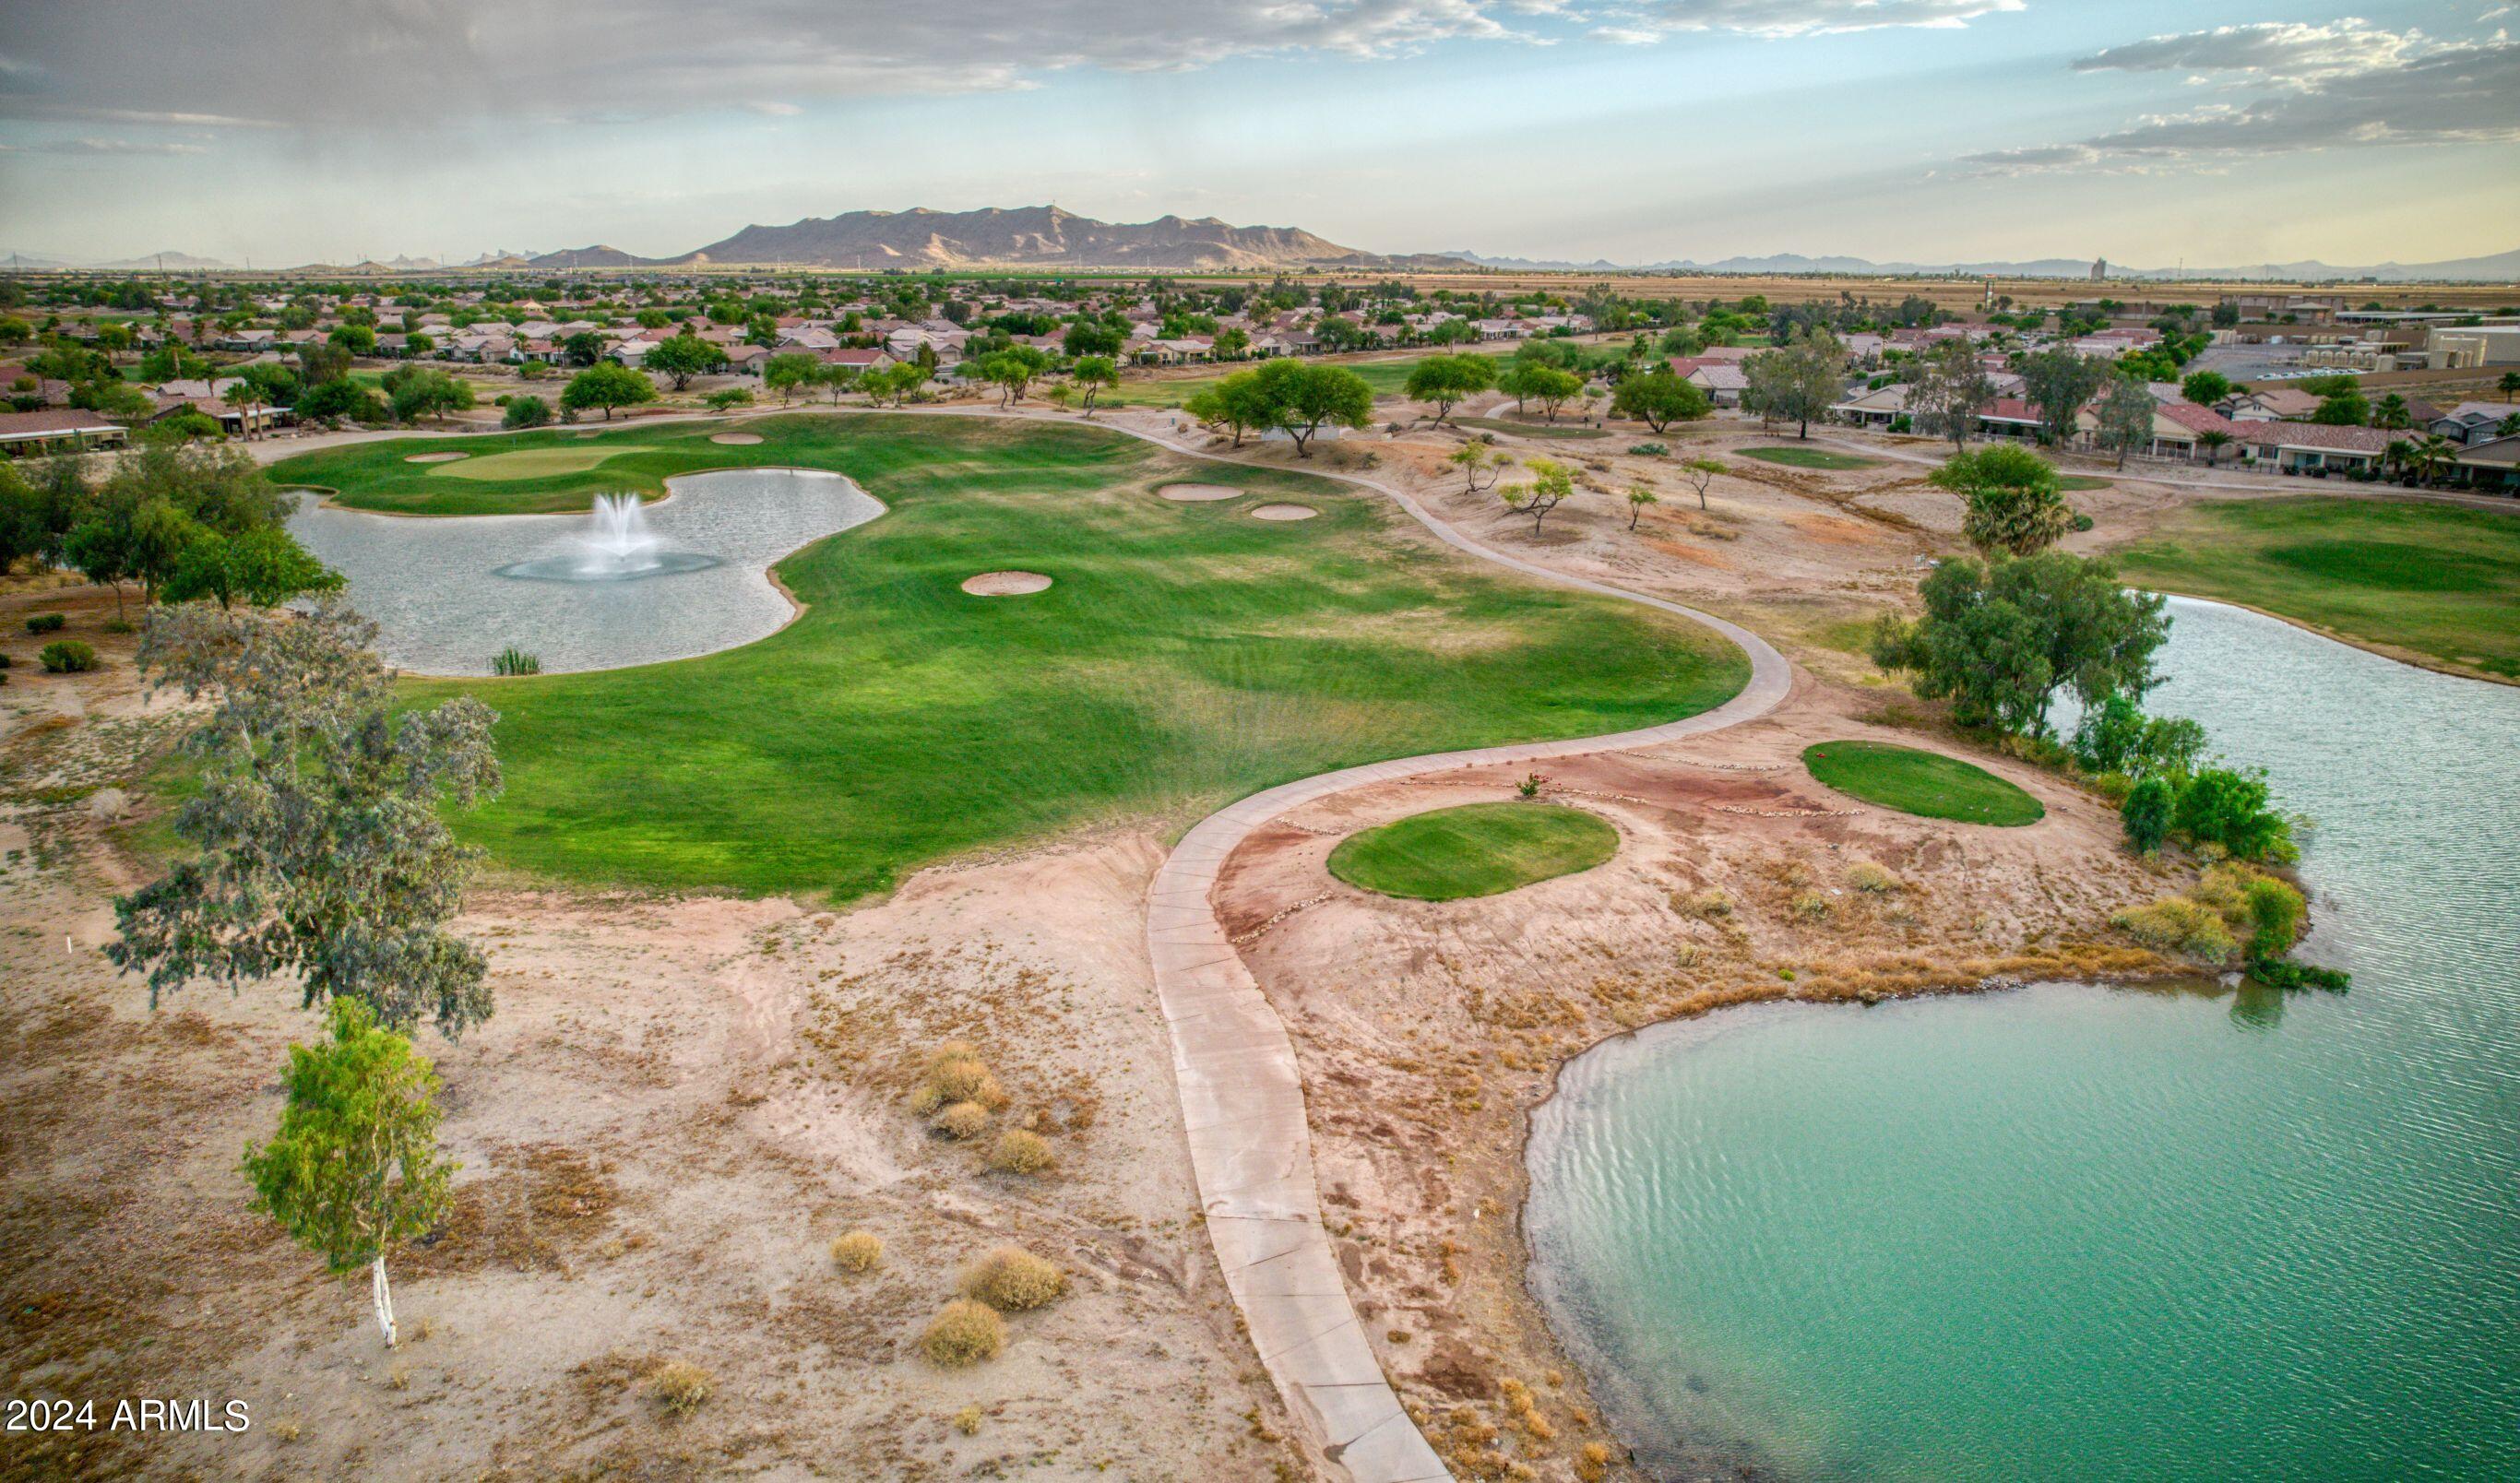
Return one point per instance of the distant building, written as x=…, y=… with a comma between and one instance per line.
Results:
x=2099, y=270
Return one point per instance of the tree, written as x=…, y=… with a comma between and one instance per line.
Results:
x=319, y=845
x=2346, y=408
x=358, y=339
x=1551, y=483
x=2015, y=503
x=2509, y=385
x=2000, y=640
x=682, y=356
x=2117, y=737
x=2205, y=388
x=2147, y=812
x=1238, y=403
x=354, y=1171
x=1231, y=344
x=786, y=374
x=320, y=365
x=1639, y=497
x=1658, y=399
x=1702, y=471
x=1951, y=389
x=1013, y=370
x=1446, y=380
x=1302, y=399
x=581, y=350
x=728, y=398
x=2431, y=456
x=1475, y=458
x=2125, y=415
x=607, y=387
x=1095, y=374
x=2221, y=806
x=2213, y=441
x=263, y=567
x=1088, y=337
x=835, y=378
x=526, y=411
x=2389, y=412
x=335, y=401
x=1527, y=380
x=1797, y=382
x=2058, y=381
x=421, y=391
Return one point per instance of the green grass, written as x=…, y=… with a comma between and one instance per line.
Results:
x=1926, y=783
x=1187, y=656
x=1478, y=849
x=2080, y=483
x=1809, y=458
x=2440, y=581
x=528, y=463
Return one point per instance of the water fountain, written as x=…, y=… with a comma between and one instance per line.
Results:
x=618, y=547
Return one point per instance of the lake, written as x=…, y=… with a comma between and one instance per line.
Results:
x=2101, y=1234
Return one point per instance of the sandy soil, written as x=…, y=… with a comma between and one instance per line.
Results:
x=1191, y=492
x=1006, y=584
x=681, y=1101
x=1284, y=512
x=736, y=438
x=433, y=458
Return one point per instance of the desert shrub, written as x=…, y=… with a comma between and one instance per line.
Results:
x=1593, y=1461
x=2082, y=522
x=962, y=1333
x=1020, y=1152
x=2224, y=887
x=121, y=625
x=1710, y=904
x=956, y=1073
x=1871, y=878
x=1652, y=450
x=67, y=657
x=1011, y=1279
x=4, y=662
x=858, y=1252
x=47, y=622
x=1809, y=906
x=680, y=1388
x=968, y=1420
x=526, y=411
x=2176, y=925
x=513, y=660
x=963, y=1121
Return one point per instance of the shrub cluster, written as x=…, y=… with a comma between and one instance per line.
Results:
x=67, y=657
x=1871, y=878
x=858, y=1252
x=681, y=1388
x=1020, y=1152
x=962, y=1334
x=1011, y=1279
x=47, y=622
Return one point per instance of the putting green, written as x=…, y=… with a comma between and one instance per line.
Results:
x=1478, y=849
x=1922, y=783
x=1186, y=656
x=531, y=463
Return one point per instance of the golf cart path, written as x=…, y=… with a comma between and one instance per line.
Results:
x=1242, y=1093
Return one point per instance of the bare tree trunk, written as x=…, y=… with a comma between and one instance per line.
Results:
x=382, y=1292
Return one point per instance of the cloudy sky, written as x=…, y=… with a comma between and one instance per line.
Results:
x=1638, y=130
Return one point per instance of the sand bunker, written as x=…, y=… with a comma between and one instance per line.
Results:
x=435, y=457
x=1198, y=492
x=1284, y=512
x=1005, y=584
x=735, y=437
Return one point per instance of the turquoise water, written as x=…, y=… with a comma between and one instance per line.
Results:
x=2103, y=1234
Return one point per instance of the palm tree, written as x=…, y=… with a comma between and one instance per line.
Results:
x=2510, y=384
x=2430, y=458
x=2212, y=441
x=2390, y=412
x=2396, y=454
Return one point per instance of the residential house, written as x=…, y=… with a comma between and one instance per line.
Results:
x=2314, y=448
x=2009, y=416
x=1877, y=408
x=2471, y=423
x=27, y=433
x=1722, y=381
x=2273, y=404
x=2494, y=463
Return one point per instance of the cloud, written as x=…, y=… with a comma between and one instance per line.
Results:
x=326, y=63
x=2300, y=89
x=1798, y=17
x=101, y=147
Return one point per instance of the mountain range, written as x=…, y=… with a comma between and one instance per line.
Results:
x=2501, y=267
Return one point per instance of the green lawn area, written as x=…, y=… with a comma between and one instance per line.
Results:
x=1926, y=783
x=1187, y=656
x=1809, y=458
x=2439, y=581
x=2079, y=483
x=1478, y=849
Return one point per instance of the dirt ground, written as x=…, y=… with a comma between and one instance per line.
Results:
x=681, y=1102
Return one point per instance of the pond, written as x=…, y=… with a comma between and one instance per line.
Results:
x=677, y=577
x=2105, y=1234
